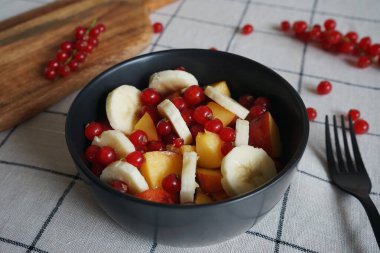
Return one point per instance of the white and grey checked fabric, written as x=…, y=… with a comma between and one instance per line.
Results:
x=45, y=207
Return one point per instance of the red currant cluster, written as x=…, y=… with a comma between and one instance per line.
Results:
x=333, y=40
x=73, y=53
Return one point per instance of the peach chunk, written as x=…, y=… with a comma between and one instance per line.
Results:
x=264, y=133
x=208, y=147
x=147, y=125
x=209, y=180
x=222, y=87
x=219, y=112
x=159, y=164
x=201, y=198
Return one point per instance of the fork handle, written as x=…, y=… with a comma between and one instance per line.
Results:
x=373, y=215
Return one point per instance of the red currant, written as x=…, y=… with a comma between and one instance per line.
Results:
x=324, y=87
x=374, y=50
x=246, y=100
x=73, y=65
x=97, y=169
x=202, y=114
x=213, y=49
x=101, y=27
x=347, y=47
x=80, y=32
x=53, y=64
x=352, y=36
x=50, y=73
x=93, y=41
x=354, y=114
x=171, y=183
x=119, y=186
x=333, y=37
x=330, y=24
x=247, y=29
x=135, y=158
x=105, y=156
x=164, y=127
x=82, y=45
x=139, y=138
x=194, y=95
x=158, y=27
x=89, y=48
x=195, y=129
x=214, y=125
x=285, y=25
x=67, y=45
x=182, y=68
x=364, y=43
x=62, y=55
x=263, y=101
x=299, y=27
x=169, y=139
x=256, y=111
x=363, y=62
x=90, y=153
x=226, y=148
x=150, y=96
x=317, y=27
x=153, y=112
x=94, y=32
x=227, y=134
x=187, y=115
x=311, y=113
x=93, y=129
x=315, y=34
x=178, y=142
x=179, y=102
x=64, y=70
x=155, y=146
x=361, y=126
x=80, y=56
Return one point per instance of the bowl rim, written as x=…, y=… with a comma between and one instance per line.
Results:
x=81, y=165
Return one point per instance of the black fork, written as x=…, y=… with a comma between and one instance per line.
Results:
x=349, y=176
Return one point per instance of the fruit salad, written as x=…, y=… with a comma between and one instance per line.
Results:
x=177, y=142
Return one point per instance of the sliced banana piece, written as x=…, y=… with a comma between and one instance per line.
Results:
x=126, y=173
x=242, y=132
x=226, y=102
x=188, y=184
x=116, y=140
x=245, y=168
x=169, y=81
x=122, y=108
x=168, y=109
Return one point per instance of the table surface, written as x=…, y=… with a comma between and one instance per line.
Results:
x=46, y=208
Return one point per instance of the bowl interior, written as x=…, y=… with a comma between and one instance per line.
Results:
x=242, y=76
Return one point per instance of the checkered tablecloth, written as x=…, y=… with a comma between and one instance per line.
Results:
x=45, y=207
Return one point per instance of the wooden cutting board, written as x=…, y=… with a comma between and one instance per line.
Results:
x=29, y=40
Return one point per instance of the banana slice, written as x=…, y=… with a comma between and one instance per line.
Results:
x=127, y=173
x=245, y=168
x=188, y=184
x=168, y=109
x=122, y=107
x=116, y=140
x=242, y=132
x=226, y=102
x=169, y=81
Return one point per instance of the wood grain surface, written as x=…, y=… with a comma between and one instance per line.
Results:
x=29, y=40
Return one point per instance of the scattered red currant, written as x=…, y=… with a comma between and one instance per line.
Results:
x=50, y=73
x=352, y=36
x=195, y=129
x=247, y=29
x=80, y=32
x=101, y=27
x=285, y=25
x=93, y=129
x=119, y=186
x=299, y=27
x=182, y=68
x=311, y=113
x=213, y=49
x=94, y=32
x=202, y=114
x=90, y=153
x=324, y=87
x=169, y=139
x=226, y=148
x=150, y=96
x=354, y=114
x=264, y=102
x=135, y=158
x=374, y=50
x=64, y=70
x=171, y=183
x=155, y=146
x=193, y=95
x=97, y=169
x=187, y=115
x=67, y=46
x=214, y=125
x=158, y=27
x=164, y=127
x=361, y=126
x=179, y=102
x=73, y=65
x=363, y=62
x=139, y=138
x=178, y=142
x=246, y=100
x=80, y=56
x=330, y=24
x=365, y=43
x=256, y=111
x=227, y=134
x=152, y=111
x=62, y=55
x=105, y=156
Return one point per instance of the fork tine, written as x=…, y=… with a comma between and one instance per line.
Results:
x=350, y=164
x=337, y=147
x=329, y=152
x=358, y=158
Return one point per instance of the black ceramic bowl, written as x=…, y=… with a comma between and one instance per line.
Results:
x=192, y=225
